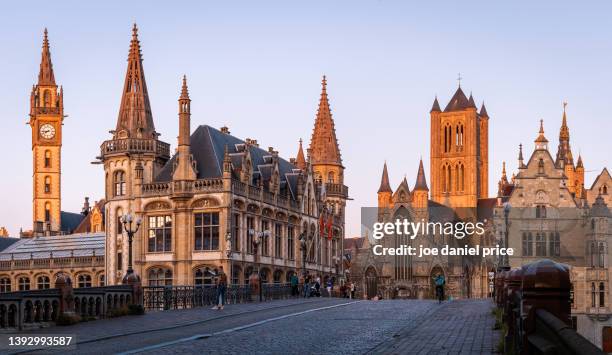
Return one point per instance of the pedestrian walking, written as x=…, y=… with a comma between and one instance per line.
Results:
x=306, y=286
x=329, y=287
x=294, y=285
x=221, y=288
x=353, y=288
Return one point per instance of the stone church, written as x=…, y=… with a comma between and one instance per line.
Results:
x=218, y=200
x=459, y=192
x=548, y=212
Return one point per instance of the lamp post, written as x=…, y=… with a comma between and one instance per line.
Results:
x=505, y=263
x=303, y=248
x=229, y=253
x=128, y=225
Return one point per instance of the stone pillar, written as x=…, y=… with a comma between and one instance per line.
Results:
x=133, y=280
x=545, y=285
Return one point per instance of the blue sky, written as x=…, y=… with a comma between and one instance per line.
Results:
x=256, y=67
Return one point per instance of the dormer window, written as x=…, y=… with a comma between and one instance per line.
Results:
x=541, y=166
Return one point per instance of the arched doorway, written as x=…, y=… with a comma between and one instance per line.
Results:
x=435, y=271
x=371, y=282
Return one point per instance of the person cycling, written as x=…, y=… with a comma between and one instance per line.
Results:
x=440, y=282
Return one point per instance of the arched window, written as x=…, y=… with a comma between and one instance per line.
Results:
x=330, y=177
x=47, y=158
x=459, y=136
x=43, y=282
x=47, y=184
x=84, y=280
x=449, y=180
x=46, y=98
x=457, y=185
x=604, y=190
x=24, y=283
x=602, y=294
x=462, y=178
x=593, y=295
x=160, y=277
x=5, y=284
x=119, y=221
x=119, y=183
x=101, y=280
x=602, y=255
x=47, y=211
x=444, y=179
x=203, y=276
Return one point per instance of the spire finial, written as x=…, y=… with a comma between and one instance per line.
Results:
x=184, y=89
x=459, y=79
x=324, y=82
x=504, y=169
x=520, y=157
x=45, y=75
x=541, y=126
x=135, y=31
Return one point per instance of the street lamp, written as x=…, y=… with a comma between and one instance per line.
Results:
x=128, y=225
x=507, y=207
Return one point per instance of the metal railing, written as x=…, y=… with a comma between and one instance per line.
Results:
x=183, y=297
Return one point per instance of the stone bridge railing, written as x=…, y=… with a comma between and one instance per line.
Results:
x=180, y=297
x=40, y=308
x=535, y=304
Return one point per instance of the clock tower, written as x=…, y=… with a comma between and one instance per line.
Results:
x=46, y=116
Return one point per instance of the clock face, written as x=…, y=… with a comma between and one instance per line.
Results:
x=47, y=131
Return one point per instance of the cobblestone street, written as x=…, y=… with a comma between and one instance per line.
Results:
x=315, y=326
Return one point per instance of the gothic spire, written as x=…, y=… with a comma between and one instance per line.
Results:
x=520, y=156
x=483, y=111
x=564, y=152
x=300, y=161
x=46, y=76
x=471, y=101
x=436, y=105
x=541, y=138
x=579, y=164
x=384, y=181
x=421, y=182
x=135, y=118
x=184, y=115
x=324, y=144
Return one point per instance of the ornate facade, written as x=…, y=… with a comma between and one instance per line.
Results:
x=220, y=200
x=459, y=170
x=548, y=213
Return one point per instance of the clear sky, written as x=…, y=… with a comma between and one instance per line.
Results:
x=256, y=67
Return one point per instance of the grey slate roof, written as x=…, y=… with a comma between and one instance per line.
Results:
x=7, y=242
x=70, y=221
x=60, y=246
x=208, y=147
x=458, y=102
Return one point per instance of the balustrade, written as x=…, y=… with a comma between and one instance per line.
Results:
x=535, y=304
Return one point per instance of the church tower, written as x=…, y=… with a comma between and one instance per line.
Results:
x=46, y=117
x=565, y=159
x=132, y=158
x=459, y=152
x=325, y=155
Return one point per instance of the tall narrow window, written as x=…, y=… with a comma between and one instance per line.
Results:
x=593, y=295
x=540, y=245
x=160, y=234
x=602, y=255
x=47, y=184
x=330, y=177
x=119, y=182
x=554, y=244
x=462, y=178
x=119, y=222
x=47, y=158
x=249, y=231
x=449, y=188
x=278, y=240
x=119, y=261
x=444, y=189
x=290, y=241
x=236, y=234
x=207, y=231
x=593, y=254
x=602, y=295
x=527, y=244
x=46, y=98
x=540, y=211
x=265, y=237
x=47, y=212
